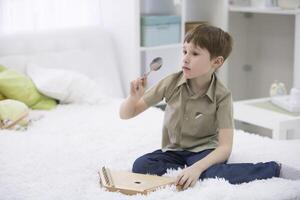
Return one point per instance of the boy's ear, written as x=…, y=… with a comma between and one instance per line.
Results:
x=218, y=62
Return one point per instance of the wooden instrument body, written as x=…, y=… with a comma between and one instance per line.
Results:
x=132, y=183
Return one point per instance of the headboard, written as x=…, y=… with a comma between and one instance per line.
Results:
x=88, y=50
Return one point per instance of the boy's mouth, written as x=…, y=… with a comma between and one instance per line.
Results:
x=185, y=68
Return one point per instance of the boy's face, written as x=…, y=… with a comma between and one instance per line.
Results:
x=196, y=61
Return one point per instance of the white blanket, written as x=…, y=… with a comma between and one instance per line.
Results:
x=59, y=155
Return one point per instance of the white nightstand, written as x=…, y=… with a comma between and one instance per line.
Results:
x=261, y=112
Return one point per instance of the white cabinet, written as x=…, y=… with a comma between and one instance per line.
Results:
x=266, y=48
x=122, y=19
x=170, y=52
x=266, y=44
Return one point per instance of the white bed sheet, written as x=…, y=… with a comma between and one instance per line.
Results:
x=59, y=155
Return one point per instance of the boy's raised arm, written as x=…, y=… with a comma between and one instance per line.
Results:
x=134, y=103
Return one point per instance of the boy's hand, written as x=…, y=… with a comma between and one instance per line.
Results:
x=188, y=177
x=137, y=87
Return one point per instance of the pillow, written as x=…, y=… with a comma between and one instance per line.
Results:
x=11, y=110
x=2, y=68
x=2, y=97
x=17, y=86
x=65, y=85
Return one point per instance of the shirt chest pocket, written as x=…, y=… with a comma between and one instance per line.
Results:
x=199, y=123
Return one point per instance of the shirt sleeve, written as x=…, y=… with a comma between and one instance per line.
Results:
x=225, y=112
x=155, y=94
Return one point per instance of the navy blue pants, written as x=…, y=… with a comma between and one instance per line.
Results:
x=158, y=162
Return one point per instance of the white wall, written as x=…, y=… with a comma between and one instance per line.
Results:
x=122, y=25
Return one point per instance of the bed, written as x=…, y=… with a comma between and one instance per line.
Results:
x=60, y=153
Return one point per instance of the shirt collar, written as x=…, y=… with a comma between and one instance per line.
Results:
x=181, y=80
x=210, y=91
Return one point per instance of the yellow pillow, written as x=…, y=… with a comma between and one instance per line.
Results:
x=17, y=86
x=11, y=110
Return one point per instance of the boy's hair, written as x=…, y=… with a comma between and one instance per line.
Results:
x=214, y=39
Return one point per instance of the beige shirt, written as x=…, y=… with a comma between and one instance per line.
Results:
x=191, y=121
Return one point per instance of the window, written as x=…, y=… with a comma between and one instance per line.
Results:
x=35, y=15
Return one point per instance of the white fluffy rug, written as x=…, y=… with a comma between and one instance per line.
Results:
x=59, y=155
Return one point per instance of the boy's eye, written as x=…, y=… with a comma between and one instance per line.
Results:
x=195, y=54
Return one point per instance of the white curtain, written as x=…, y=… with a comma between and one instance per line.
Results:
x=35, y=15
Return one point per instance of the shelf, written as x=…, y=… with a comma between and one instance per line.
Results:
x=126, y=29
x=160, y=47
x=274, y=10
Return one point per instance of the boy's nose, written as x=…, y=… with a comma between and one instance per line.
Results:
x=185, y=59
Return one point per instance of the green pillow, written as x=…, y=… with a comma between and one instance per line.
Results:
x=44, y=103
x=2, y=68
x=2, y=97
x=14, y=85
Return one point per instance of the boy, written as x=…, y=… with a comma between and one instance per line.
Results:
x=198, y=121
